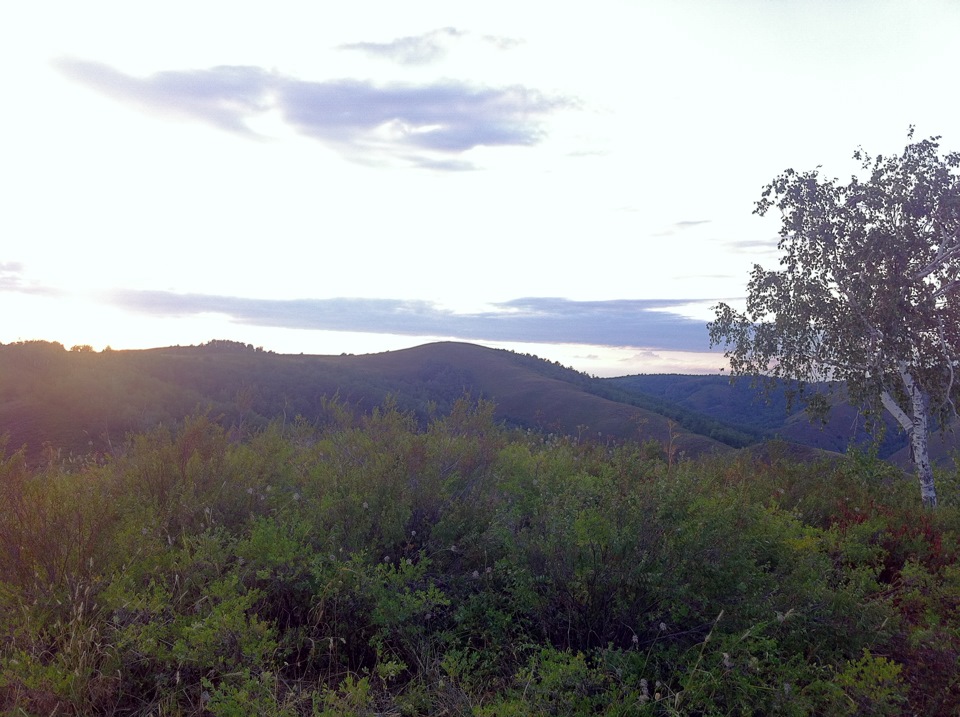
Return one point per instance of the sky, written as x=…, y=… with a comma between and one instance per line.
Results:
x=324, y=178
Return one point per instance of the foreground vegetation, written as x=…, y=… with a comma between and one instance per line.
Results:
x=360, y=565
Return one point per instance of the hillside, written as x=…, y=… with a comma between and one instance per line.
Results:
x=944, y=448
x=77, y=402
x=81, y=401
x=527, y=395
x=745, y=407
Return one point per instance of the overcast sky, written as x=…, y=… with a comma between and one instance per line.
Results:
x=350, y=177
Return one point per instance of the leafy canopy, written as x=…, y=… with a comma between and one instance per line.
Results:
x=868, y=284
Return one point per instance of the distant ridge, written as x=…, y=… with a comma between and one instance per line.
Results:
x=537, y=394
x=81, y=401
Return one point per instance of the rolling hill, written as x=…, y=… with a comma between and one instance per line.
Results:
x=744, y=407
x=79, y=401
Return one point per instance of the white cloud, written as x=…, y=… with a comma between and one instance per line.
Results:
x=413, y=49
x=540, y=320
x=423, y=124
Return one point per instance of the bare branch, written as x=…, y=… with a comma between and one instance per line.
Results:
x=898, y=413
x=946, y=289
x=945, y=252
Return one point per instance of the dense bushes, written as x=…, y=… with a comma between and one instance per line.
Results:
x=364, y=566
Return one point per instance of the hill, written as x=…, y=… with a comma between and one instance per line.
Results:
x=81, y=401
x=944, y=448
x=743, y=407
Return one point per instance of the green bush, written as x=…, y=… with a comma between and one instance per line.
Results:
x=368, y=564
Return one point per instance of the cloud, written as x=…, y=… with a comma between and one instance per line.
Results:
x=412, y=50
x=444, y=165
x=222, y=96
x=642, y=356
x=11, y=280
x=419, y=125
x=752, y=246
x=445, y=117
x=680, y=226
x=646, y=323
x=503, y=43
x=426, y=48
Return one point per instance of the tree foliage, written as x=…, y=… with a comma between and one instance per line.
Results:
x=868, y=292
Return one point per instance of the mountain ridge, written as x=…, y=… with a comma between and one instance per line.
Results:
x=82, y=401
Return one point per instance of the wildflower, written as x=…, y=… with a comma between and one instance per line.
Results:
x=296, y=496
x=727, y=662
x=663, y=627
x=249, y=491
x=365, y=505
x=636, y=640
x=386, y=558
x=489, y=570
x=476, y=574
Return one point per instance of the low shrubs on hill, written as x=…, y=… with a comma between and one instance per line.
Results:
x=363, y=566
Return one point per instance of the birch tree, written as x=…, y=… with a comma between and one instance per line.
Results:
x=867, y=294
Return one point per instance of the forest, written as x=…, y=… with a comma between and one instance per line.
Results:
x=410, y=557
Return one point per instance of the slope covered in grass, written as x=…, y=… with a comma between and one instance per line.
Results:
x=76, y=401
x=761, y=413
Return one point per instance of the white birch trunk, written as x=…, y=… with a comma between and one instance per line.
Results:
x=919, y=440
x=917, y=428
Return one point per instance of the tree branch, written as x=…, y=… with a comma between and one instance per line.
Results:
x=898, y=413
x=945, y=289
x=945, y=253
